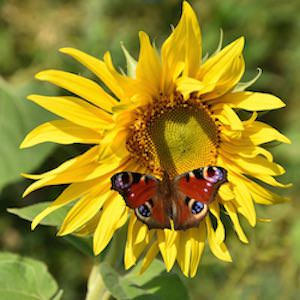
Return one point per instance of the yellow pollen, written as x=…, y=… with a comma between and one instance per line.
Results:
x=174, y=135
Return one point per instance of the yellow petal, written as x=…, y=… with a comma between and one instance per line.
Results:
x=99, y=68
x=272, y=181
x=78, y=161
x=252, y=101
x=228, y=116
x=134, y=248
x=191, y=246
x=124, y=218
x=141, y=231
x=89, y=227
x=149, y=257
x=113, y=210
x=129, y=258
x=214, y=208
x=226, y=193
x=83, y=87
x=187, y=85
x=177, y=52
x=192, y=36
x=116, y=141
x=185, y=251
x=128, y=84
x=255, y=166
x=171, y=237
x=244, y=200
x=263, y=196
x=75, y=110
x=167, y=243
x=219, y=250
x=61, y=132
x=260, y=133
x=82, y=173
x=230, y=164
x=70, y=194
x=235, y=220
x=198, y=244
x=232, y=136
x=247, y=150
x=222, y=72
x=148, y=68
x=84, y=210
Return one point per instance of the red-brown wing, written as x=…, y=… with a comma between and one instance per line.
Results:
x=140, y=193
x=195, y=190
x=135, y=188
x=201, y=184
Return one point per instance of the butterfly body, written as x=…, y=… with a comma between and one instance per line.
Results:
x=180, y=203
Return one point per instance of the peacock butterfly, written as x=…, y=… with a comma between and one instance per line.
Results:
x=183, y=199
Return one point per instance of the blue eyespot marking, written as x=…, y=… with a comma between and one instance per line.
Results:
x=214, y=174
x=197, y=207
x=123, y=180
x=144, y=211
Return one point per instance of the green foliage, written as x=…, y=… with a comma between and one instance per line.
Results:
x=16, y=119
x=83, y=244
x=26, y=279
x=154, y=284
x=30, y=211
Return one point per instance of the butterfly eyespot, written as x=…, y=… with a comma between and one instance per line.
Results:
x=144, y=211
x=197, y=207
x=214, y=174
x=210, y=171
x=123, y=180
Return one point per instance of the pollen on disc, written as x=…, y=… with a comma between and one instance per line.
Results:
x=174, y=135
x=185, y=139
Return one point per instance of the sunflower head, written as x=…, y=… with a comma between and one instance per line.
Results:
x=176, y=112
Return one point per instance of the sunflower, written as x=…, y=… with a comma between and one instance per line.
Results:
x=174, y=111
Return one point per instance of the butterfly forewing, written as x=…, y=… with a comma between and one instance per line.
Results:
x=135, y=188
x=140, y=193
x=201, y=184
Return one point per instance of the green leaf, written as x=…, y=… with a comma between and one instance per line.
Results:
x=295, y=237
x=17, y=117
x=26, y=279
x=83, y=244
x=130, y=62
x=112, y=281
x=29, y=212
x=242, y=86
x=154, y=284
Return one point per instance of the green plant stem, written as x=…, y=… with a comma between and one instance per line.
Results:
x=115, y=252
x=96, y=289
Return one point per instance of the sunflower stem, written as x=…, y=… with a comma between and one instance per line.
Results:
x=96, y=288
x=114, y=255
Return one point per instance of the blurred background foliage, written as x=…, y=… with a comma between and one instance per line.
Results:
x=31, y=32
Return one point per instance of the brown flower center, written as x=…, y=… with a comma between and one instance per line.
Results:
x=174, y=135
